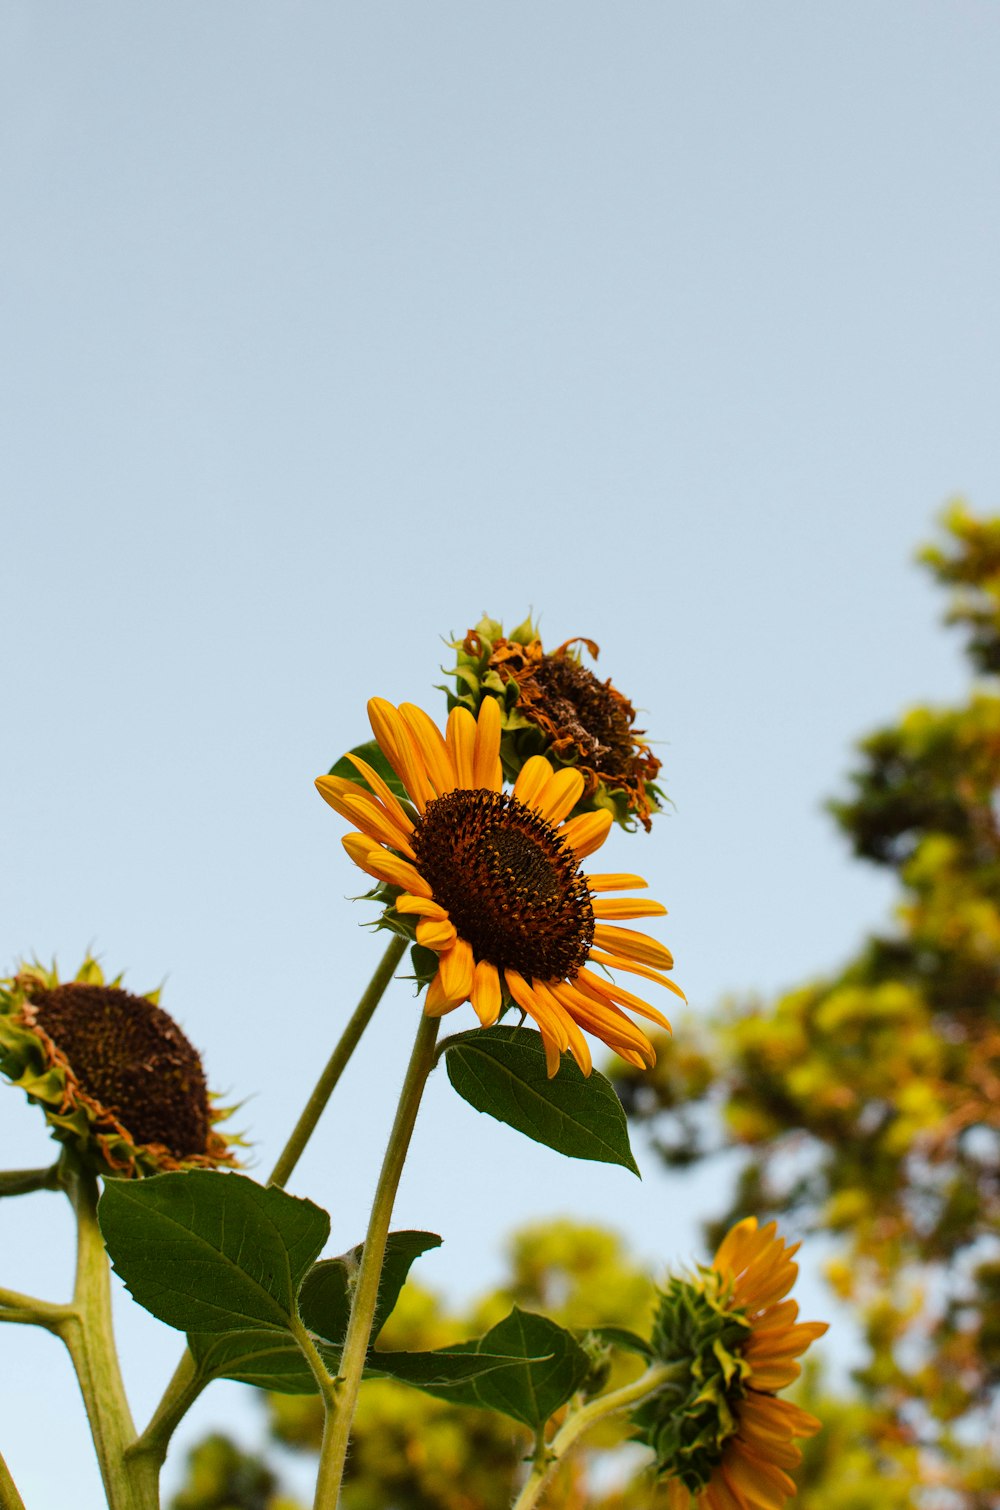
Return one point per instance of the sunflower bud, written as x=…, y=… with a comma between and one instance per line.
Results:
x=552, y=704
x=720, y=1433
x=116, y=1078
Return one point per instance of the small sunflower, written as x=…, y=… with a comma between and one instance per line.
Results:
x=117, y=1079
x=490, y=880
x=551, y=703
x=724, y=1438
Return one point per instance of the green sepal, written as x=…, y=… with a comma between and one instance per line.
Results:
x=502, y=1071
x=688, y=1422
x=525, y=1367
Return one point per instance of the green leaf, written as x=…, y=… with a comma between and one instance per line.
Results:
x=525, y=1367
x=325, y=1297
x=211, y=1252
x=371, y=752
x=266, y=1359
x=501, y=1071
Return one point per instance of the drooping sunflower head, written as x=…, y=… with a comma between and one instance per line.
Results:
x=722, y=1437
x=552, y=703
x=116, y=1078
x=488, y=885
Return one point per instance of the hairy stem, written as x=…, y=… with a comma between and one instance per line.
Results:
x=9, y=1497
x=337, y=1429
x=348, y=1042
x=88, y=1334
x=24, y=1181
x=149, y=1451
x=578, y=1421
x=29, y=1311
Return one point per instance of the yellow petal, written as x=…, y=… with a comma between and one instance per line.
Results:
x=399, y=750
x=456, y=971
x=364, y=811
x=533, y=777
x=610, y=991
x=627, y=943
x=378, y=862
x=437, y=1002
x=486, y=751
x=627, y=907
x=384, y=793
x=461, y=738
x=560, y=796
x=436, y=933
x=586, y=832
x=424, y=907
x=616, y=881
x=486, y=996
x=432, y=746
x=615, y=962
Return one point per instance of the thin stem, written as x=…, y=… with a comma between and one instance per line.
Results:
x=9, y=1497
x=32, y=1312
x=24, y=1181
x=337, y=1429
x=148, y=1453
x=579, y=1421
x=88, y=1334
x=316, y=1105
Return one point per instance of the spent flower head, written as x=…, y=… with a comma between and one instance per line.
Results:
x=116, y=1078
x=488, y=882
x=551, y=703
x=723, y=1439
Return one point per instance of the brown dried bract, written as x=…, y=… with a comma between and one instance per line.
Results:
x=588, y=723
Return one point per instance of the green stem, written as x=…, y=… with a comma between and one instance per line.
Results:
x=88, y=1334
x=579, y=1421
x=32, y=1312
x=148, y=1453
x=24, y=1181
x=9, y=1497
x=337, y=1429
x=316, y=1105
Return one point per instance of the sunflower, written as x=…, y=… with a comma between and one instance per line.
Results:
x=726, y=1444
x=490, y=880
x=551, y=703
x=116, y=1078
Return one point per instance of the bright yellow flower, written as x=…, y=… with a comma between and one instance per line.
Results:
x=753, y=1273
x=493, y=882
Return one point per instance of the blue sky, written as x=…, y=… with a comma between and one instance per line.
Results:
x=326, y=329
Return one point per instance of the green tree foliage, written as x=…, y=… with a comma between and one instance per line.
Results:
x=868, y=1103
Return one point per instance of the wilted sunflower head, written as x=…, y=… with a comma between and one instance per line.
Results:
x=116, y=1078
x=553, y=704
x=721, y=1435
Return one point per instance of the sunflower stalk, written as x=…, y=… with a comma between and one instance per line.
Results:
x=88, y=1333
x=24, y=1181
x=340, y=1409
x=580, y=1420
x=337, y=1063
x=9, y=1496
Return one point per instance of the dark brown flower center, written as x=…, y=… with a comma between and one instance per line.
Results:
x=510, y=884
x=129, y=1056
x=588, y=712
